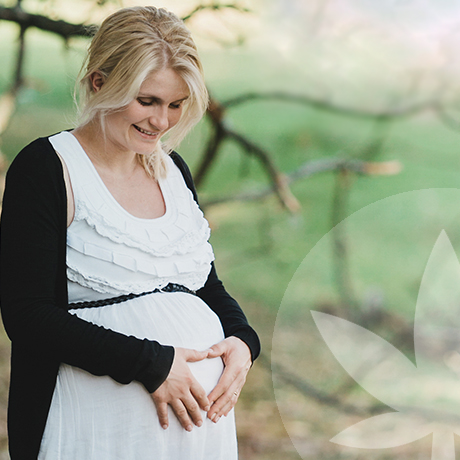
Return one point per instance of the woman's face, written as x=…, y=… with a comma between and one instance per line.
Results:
x=157, y=108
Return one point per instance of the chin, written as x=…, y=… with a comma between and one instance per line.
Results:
x=146, y=149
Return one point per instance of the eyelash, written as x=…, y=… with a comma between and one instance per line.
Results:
x=146, y=104
x=141, y=102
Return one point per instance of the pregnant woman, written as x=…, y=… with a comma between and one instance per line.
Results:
x=125, y=344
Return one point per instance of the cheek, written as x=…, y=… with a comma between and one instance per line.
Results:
x=133, y=113
x=174, y=118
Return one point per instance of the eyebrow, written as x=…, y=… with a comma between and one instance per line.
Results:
x=158, y=100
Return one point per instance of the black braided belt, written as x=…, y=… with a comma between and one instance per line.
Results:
x=171, y=287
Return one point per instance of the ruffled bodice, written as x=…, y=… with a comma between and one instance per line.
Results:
x=112, y=252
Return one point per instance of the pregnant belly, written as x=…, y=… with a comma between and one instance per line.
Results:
x=177, y=319
x=110, y=420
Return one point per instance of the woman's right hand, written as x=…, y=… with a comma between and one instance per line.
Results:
x=182, y=391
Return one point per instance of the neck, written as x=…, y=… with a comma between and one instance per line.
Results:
x=102, y=152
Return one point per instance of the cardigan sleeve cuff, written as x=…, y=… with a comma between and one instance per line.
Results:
x=157, y=367
x=249, y=336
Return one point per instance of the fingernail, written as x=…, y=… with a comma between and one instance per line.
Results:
x=213, y=416
x=207, y=408
x=189, y=428
x=217, y=419
x=199, y=423
x=164, y=426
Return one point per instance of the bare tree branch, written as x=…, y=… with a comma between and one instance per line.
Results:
x=18, y=77
x=280, y=183
x=340, y=252
x=343, y=183
x=8, y=100
x=308, y=169
x=222, y=132
x=66, y=29
x=214, y=7
x=215, y=113
x=329, y=106
x=58, y=27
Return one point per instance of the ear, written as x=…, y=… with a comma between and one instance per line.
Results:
x=97, y=80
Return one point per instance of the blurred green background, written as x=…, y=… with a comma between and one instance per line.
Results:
x=385, y=77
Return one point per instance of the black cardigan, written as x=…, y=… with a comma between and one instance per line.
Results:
x=34, y=302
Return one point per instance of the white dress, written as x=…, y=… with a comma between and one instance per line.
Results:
x=112, y=253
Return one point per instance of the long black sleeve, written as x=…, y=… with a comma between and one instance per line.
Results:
x=231, y=316
x=33, y=309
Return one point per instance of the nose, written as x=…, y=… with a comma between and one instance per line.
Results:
x=159, y=118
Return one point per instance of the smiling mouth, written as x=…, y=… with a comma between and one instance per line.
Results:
x=149, y=133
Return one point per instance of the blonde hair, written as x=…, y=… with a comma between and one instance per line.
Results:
x=129, y=45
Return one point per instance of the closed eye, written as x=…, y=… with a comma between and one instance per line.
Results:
x=145, y=102
x=148, y=101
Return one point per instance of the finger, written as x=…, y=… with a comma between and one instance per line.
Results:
x=223, y=405
x=192, y=356
x=162, y=411
x=224, y=411
x=200, y=395
x=220, y=400
x=230, y=405
x=193, y=410
x=216, y=350
x=182, y=414
x=227, y=378
x=234, y=375
x=220, y=403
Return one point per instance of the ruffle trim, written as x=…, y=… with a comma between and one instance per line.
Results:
x=193, y=281
x=149, y=265
x=131, y=243
x=176, y=239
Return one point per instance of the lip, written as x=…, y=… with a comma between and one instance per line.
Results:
x=145, y=133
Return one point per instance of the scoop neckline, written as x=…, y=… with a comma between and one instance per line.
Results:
x=161, y=183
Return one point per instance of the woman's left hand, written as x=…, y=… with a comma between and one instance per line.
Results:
x=237, y=361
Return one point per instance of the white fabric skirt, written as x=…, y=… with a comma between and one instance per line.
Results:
x=96, y=418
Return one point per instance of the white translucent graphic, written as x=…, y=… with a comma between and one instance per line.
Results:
x=423, y=398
